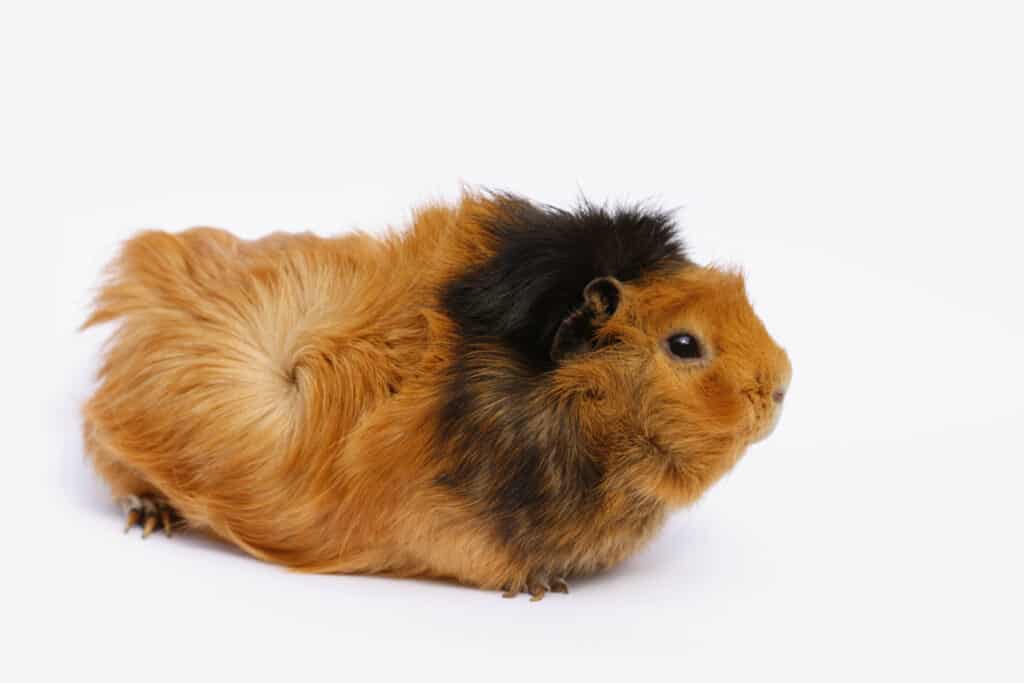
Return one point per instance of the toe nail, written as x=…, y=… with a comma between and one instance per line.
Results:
x=131, y=520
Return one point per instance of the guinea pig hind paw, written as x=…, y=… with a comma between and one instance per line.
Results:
x=149, y=512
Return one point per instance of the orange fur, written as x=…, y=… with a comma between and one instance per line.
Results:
x=283, y=394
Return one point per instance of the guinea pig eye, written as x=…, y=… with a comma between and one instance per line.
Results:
x=685, y=345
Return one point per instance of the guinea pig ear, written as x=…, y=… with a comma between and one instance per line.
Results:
x=576, y=333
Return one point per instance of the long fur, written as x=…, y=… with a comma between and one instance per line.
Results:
x=451, y=401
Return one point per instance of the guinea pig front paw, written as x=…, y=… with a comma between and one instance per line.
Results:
x=538, y=586
x=147, y=511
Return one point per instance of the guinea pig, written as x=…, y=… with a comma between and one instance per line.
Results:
x=505, y=394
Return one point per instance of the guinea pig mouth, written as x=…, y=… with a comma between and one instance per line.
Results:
x=764, y=414
x=767, y=426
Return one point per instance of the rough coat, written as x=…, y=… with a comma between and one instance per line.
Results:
x=486, y=396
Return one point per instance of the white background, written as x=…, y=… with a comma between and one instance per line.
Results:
x=863, y=161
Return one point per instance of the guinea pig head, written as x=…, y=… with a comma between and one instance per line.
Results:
x=690, y=376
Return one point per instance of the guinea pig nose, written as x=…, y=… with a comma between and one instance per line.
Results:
x=778, y=395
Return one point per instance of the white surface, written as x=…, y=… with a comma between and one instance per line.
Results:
x=863, y=163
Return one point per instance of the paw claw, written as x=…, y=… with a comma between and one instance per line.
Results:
x=131, y=520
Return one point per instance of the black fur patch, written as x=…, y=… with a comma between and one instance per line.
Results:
x=545, y=258
x=507, y=460
x=522, y=463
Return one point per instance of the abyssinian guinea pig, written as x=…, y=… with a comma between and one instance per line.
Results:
x=505, y=394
